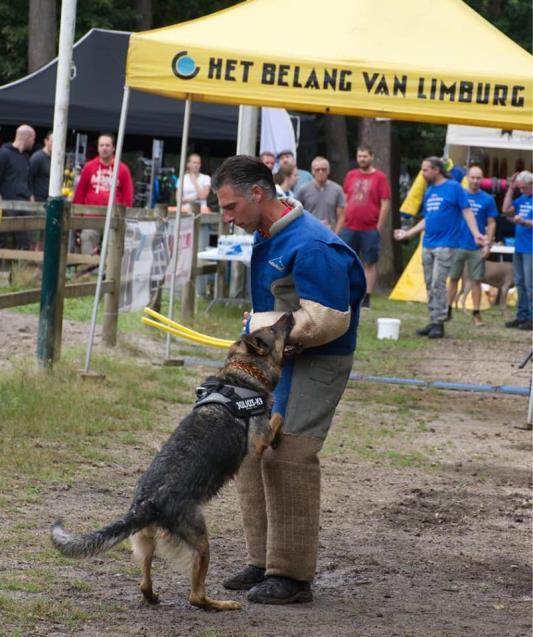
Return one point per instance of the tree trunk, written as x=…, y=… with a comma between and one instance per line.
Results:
x=378, y=134
x=42, y=33
x=144, y=11
x=336, y=138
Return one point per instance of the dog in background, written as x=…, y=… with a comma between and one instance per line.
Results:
x=498, y=274
x=203, y=453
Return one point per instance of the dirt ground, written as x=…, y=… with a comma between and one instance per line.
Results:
x=432, y=540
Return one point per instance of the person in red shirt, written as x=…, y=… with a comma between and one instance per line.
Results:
x=94, y=187
x=367, y=206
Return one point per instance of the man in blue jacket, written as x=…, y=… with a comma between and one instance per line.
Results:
x=298, y=265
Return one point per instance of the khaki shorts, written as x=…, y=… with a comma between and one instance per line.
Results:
x=472, y=258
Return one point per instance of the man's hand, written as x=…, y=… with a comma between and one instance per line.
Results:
x=245, y=317
x=517, y=220
x=481, y=240
x=485, y=251
x=400, y=234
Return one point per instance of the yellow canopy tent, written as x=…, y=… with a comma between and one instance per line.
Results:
x=423, y=61
x=437, y=62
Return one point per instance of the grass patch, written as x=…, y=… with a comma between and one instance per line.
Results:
x=52, y=422
x=379, y=423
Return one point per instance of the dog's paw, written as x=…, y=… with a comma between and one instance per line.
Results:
x=207, y=603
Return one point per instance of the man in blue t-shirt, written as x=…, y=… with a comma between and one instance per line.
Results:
x=444, y=208
x=469, y=254
x=522, y=210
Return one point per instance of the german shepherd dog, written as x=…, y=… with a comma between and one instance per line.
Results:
x=202, y=454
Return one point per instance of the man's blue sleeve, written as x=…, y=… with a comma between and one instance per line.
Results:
x=321, y=275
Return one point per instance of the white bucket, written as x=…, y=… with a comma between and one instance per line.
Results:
x=388, y=328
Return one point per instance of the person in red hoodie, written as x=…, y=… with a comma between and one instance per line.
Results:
x=94, y=187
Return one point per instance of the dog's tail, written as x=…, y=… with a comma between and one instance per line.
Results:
x=87, y=544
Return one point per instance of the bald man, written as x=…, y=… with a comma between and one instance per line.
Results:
x=15, y=182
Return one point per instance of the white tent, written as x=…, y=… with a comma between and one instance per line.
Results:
x=489, y=137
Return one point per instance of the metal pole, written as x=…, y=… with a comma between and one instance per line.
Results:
x=247, y=130
x=105, y=239
x=179, y=200
x=55, y=203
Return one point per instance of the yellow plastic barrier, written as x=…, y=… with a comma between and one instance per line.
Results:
x=171, y=327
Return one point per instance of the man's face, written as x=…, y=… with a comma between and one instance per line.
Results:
x=320, y=170
x=474, y=177
x=269, y=160
x=236, y=209
x=525, y=188
x=364, y=159
x=429, y=172
x=287, y=159
x=29, y=141
x=106, y=148
x=48, y=144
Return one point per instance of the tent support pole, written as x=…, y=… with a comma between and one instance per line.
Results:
x=179, y=200
x=107, y=225
x=51, y=308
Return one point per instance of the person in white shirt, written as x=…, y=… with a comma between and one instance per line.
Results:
x=196, y=185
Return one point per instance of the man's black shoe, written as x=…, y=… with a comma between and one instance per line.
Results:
x=245, y=579
x=424, y=331
x=365, y=305
x=526, y=326
x=514, y=323
x=450, y=313
x=436, y=331
x=276, y=589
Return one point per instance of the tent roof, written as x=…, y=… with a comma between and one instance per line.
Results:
x=489, y=138
x=96, y=97
x=416, y=60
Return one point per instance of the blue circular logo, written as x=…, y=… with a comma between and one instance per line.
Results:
x=184, y=66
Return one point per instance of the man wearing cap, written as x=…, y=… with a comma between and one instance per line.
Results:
x=304, y=176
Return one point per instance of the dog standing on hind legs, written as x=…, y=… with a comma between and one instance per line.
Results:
x=203, y=453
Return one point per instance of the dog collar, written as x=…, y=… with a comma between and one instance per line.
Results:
x=252, y=371
x=240, y=401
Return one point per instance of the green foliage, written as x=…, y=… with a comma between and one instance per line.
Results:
x=167, y=13
x=103, y=14
x=512, y=17
x=417, y=141
x=13, y=35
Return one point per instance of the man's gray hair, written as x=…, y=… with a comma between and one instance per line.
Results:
x=241, y=172
x=525, y=177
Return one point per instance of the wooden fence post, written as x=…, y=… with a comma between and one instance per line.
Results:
x=161, y=211
x=113, y=271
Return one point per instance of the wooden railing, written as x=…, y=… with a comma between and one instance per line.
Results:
x=93, y=217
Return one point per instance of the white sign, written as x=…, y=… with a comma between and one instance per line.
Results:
x=147, y=258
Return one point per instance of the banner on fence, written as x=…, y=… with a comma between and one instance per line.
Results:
x=147, y=259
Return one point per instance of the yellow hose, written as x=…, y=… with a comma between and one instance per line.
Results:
x=171, y=327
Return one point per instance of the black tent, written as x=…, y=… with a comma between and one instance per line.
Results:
x=99, y=60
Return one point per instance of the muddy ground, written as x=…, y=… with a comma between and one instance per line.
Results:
x=425, y=524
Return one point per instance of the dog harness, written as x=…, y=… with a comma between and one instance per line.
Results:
x=240, y=401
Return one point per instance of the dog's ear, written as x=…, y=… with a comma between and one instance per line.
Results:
x=256, y=345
